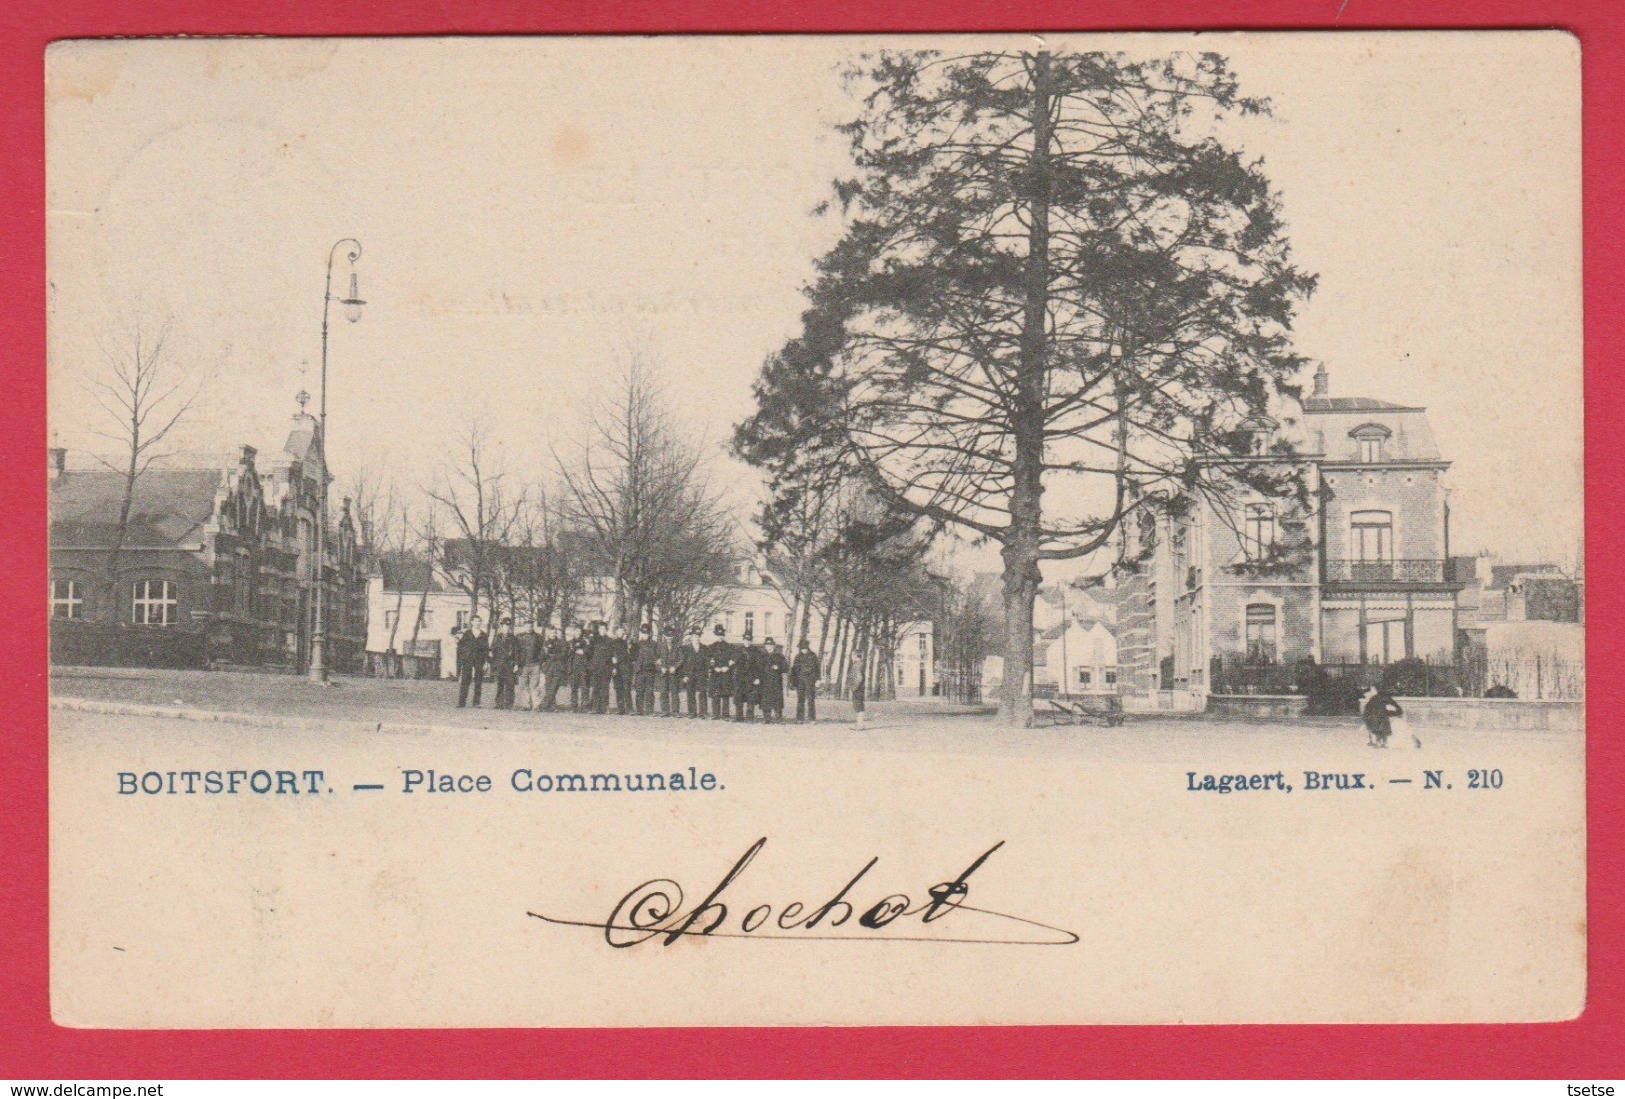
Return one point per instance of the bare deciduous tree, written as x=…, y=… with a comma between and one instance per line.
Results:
x=144, y=397
x=480, y=511
x=640, y=497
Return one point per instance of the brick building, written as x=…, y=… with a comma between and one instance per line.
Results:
x=1356, y=572
x=217, y=563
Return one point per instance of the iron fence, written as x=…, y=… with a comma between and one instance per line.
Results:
x=1413, y=571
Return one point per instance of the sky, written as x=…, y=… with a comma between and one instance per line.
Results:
x=533, y=210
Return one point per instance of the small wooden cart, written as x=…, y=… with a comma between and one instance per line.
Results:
x=1104, y=710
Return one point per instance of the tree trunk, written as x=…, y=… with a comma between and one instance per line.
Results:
x=842, y=631
x=1022, y=537
x=110, y=593
x=823, y=634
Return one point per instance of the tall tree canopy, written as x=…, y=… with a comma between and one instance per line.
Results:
x=1055, y=278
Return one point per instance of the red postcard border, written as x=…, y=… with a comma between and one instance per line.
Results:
x=32, y=1047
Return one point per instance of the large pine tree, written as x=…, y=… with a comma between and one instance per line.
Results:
x=1057, y=297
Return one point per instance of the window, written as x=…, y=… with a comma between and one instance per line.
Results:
x=426, y=619
x=1260, y=633
x=155, y=603
x=767, y=623
x=462, y=622
x=1111, y=677
x=66, y=599
x=1258, y=530
x=1085, y=677
x=390, y=618
x=1369, y=441
x=922, y=646
x=750, y=624
x=1372, y=539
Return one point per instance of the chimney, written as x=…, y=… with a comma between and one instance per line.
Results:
x=56, y=461
x=1323, y=383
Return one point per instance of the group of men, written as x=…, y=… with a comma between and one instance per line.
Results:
x=603, y=672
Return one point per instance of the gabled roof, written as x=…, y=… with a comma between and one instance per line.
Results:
x=167, y=508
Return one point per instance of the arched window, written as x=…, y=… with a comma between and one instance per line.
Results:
x=1261, y=647
x=1258, y=530
x=1370, y=441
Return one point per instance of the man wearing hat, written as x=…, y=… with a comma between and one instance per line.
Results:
x=531, y=651
x=473, y=647
x=671, y=655
x=771, y=669
x=601, y=667
x=691, y=674
x=505, y=664
x=620, y=664
x=580, y=669
x=645, y=671
x=747, y=681
x=804, y=673
x=556, y=667
x=720, y=657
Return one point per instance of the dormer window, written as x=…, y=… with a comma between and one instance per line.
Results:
x=1370, y=442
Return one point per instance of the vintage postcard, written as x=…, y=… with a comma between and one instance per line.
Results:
x=724, y=531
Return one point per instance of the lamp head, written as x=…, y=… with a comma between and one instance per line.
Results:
x=352, y=302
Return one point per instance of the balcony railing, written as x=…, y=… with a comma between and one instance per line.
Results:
x=1389, y=572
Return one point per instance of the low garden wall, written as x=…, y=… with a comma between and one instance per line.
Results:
x=1495, y=713
x=1257, y=707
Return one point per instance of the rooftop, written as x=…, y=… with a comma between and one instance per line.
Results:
x=1354, y=404
x=168, y=505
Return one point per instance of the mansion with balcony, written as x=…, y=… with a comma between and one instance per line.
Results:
x=1355, y=572
x=218, y=563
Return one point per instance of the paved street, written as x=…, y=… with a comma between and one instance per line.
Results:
x=421, y=706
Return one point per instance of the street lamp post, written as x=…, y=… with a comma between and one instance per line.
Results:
x=352, y=310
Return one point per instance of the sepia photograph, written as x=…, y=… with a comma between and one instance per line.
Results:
x=820, y=530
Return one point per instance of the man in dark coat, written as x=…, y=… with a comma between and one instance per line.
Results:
x=747, y=684
x=556, y=669
x=772, y=668
x=645, y=671
x=692, y=669
x=505, y=664
x=602, y=663
x=804, y=673
x=473, y=647
x=671, y=657
x=581, y=670
x=720, y=658
x=621, y=671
